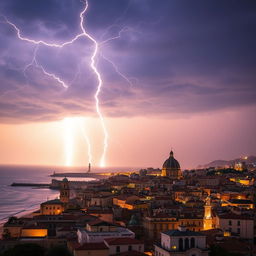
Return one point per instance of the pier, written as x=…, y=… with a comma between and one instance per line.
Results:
x=14, y=184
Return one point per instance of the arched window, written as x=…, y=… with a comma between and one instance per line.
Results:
x=192, y=242
x=181, y=244
x=186, y=244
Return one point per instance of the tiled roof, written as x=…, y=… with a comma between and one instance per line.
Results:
x=89, y=246
x=240, y=201
x=233, y=216
x=34, y=226
x=122, y=241
x=176, y=232
x=131, y=253
x=99, y=222
x=54, y=201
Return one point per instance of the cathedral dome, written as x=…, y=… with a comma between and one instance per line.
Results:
x=171, y=163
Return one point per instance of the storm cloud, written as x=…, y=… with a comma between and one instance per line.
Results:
x=179, y=57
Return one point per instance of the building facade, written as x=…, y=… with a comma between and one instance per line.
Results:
x=181, y=242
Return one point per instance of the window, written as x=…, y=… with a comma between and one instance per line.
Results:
x=192, y=242
x=118, y=249
x=238, y=223
x=186, y=243
x=130, y=248
x=139, y=248
x=238, y=230
x=181, y=244
x=230, y=222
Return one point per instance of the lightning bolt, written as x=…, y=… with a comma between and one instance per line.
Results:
x=96, y=52
x=128, y=80
x=96, y=95
x=118, y=36
x=88, y=144
x=52, y=75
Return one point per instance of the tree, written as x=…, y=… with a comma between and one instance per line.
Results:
x=58, y=251
x=216, y=250
x=25, y=250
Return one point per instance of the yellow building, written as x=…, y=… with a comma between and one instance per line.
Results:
x=171, y=168
x=34, y=232
x=243, y=181
x=52, y=207
x=240, y=203
x=208, y=222
x=135, y=205
x=192, y=224
x=154, y=225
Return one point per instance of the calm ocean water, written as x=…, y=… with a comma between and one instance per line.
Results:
x=21, y=200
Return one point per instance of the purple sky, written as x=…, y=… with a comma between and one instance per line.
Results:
x=183, y=61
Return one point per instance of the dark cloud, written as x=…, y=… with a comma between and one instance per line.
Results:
x=179, y=57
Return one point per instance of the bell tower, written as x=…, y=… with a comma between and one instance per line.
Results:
x=208, y=214
x=64, y=191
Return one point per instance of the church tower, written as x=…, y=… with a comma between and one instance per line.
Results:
x=171, y=168
x=64, y=191
x=208, y=214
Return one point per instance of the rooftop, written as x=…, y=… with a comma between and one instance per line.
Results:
x=89, y=246
x=54, y=201
x=122, y=241
x=177, y=232
x=240, y=201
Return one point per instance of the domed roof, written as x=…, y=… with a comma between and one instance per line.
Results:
x=171, y=162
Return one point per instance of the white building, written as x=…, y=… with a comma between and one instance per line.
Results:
x=181, y=242
x=237, y=224
x=98, y=230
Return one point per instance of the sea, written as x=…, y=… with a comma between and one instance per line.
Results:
x=19, y=201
